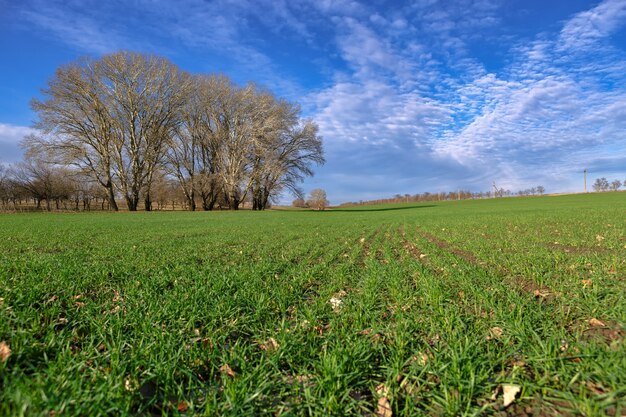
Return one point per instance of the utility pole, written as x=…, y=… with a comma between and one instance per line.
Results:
x=585, y=172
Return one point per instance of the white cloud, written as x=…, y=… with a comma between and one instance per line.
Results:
x=10, y=137
x=374, y=112
x=72, y=24
x=526, y=124
x=590, y=26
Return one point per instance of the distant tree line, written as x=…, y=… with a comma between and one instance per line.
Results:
x=602, y=184
x=129, y=126
x=450, y=195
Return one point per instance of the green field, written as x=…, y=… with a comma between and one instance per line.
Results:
x=428, y=309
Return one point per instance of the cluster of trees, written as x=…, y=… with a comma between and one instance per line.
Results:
x=317, y=200
x=127, y=121
x=602, y=184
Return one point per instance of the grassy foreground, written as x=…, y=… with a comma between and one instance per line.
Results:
x=434, y=309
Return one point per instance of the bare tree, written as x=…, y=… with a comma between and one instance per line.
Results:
x=317, y=199
x=615, y=185
x=77, y=125
x=111, y=117
x=284, y=156
x=192, y=155
x=601, y=184
x=42, y=182
x=146, y=95
x=540, y=189
x=299, y=202
x=232, y=118
x=5, y=187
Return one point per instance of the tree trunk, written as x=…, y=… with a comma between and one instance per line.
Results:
x=265, y=199
x=148, y=202
x=208, y=200
x=233, y=203
x=191, y=198
x=132, y=202
x=111, y=197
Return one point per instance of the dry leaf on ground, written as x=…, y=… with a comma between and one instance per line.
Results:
x=5, y=351
x=384, y=408
x=541, y=293
x=336, y=303
x=270, y=344
x=130, y=384
x=586, y=283
x=595, y=388
x=495, y=333
x=182, y=406
x=117, y=297
x=595, y=323
x=421, y=359
x=381, y=389
x=226, y=369
x=509, y=391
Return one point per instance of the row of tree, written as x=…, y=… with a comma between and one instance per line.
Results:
x=34, y=185
x=125, y=120
x=602, y=184
x=451, y=195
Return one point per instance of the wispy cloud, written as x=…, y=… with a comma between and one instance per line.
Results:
x=541, y=117
x=584, y=30
x=75, y=24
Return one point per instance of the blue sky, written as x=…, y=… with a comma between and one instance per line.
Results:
x=410, y=97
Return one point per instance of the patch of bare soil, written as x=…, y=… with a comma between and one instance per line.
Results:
x=528, y=286
x=535, y=408
x=577, y=250
x=606, y=331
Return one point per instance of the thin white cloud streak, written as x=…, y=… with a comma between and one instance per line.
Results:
x=77, y=24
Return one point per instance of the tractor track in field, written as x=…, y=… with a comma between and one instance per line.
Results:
x=417, y=254
x=578, y=250
x=443, y=245
x=522, y=284
x=367, y=245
